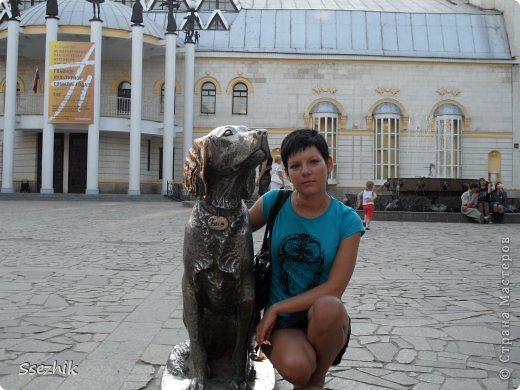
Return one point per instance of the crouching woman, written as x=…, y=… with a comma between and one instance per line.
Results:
x=305, y=327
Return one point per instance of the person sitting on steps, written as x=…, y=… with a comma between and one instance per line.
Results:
x=499, y=203
x=469, y=203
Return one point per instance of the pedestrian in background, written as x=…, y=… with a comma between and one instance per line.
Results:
x=277, y=176
x=367, y=199
x=264, y=175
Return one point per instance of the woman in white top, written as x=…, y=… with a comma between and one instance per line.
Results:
x=277, y=177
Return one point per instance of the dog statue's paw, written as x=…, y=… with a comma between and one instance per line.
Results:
x=238, y=384
x=197, y=384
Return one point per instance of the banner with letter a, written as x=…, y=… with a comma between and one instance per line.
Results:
x=71, y=82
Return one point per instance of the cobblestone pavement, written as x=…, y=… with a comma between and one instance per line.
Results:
x=95, y=287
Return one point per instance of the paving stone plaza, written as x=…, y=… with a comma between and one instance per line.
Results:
x=94, y=287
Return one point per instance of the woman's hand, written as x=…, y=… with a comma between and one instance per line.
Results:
x=265, y=326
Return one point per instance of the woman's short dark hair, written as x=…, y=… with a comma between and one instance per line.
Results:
x=302, y=139
x=474, y=185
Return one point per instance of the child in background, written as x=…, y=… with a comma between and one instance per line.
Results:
x=367, y=199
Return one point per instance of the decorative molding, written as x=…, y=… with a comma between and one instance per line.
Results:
x=466, y=119
x=387, y=90
x=117, y=82
x=488, y=134
x=307, y=116
x=405, y=119
x=442, y=91
x=207, y=78
x=21, y=85
x=236, y=80
x=332, y=90
x=159, y=84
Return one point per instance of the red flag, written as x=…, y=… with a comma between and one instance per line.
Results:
x=36, y=80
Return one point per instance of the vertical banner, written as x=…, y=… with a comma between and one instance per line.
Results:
x=71, y=82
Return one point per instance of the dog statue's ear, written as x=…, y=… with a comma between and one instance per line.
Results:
x=248, y=187
x=195, y=168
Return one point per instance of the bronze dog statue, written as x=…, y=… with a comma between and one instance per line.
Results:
x=218, y=285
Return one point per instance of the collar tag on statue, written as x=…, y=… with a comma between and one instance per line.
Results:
x=217, y=222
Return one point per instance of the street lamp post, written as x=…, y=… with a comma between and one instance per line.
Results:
x=169, y=94
x=191, y=37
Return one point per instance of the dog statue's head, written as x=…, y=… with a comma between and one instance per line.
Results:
x=221, y=165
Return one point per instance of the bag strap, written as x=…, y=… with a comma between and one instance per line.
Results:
x=281, y=197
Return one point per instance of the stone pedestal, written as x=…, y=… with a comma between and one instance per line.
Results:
x=264, y=377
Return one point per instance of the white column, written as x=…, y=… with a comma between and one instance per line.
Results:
x=135, y=107
x=11, y=74
x=169, y=116
x=516, y=125
x=96, y=36
x=48, y=128
x=66, y=154
x=189, y=84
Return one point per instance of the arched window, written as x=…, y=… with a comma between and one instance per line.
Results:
x=208, y=98
x=325, y=120
x=240, y=99
x=387, y=124
x=448, y=128
x=124, y=94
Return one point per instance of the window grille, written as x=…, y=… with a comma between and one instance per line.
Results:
x=208, y=98
x=448, y=150
x=387, y=125
x=325, y=120
x=240, y=97
x=124, y=94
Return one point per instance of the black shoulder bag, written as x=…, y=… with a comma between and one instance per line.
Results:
x=262, y=260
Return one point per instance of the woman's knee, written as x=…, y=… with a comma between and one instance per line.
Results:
x=328, y=313
x=297, y=369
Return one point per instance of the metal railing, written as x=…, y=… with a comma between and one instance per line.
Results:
x=175, y=191
x=114, y=106
x=118, y=107
x=29, y=104
x=26, y=104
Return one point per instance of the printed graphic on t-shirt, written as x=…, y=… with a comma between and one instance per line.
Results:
x=301, y=263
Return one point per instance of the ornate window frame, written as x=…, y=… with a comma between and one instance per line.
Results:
x=205, y=79
x=20, y=85
x=405, y=119
x=386, y=128
x=239, y=95
x=448, y=139
x=307, y=116
x=231, y=85
x=327, y=124
x=211, y=96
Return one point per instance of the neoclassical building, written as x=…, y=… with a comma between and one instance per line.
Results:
x=399, y=89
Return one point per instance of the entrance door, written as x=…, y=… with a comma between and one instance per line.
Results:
x=57, y=175
x=78, y=163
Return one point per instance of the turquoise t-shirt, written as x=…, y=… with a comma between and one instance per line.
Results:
x=303, y=249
